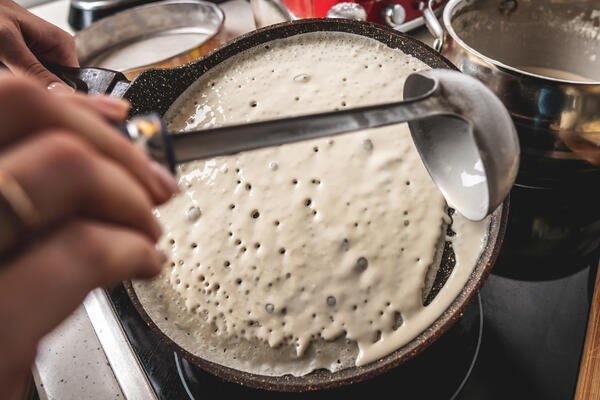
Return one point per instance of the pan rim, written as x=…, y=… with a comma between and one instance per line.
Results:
x=154, y=79
x=323, y=379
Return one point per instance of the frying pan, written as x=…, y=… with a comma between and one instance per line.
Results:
x=156, y=90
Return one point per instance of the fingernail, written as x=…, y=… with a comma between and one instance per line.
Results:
x=162, y=260
x=150, y=271
x=114, y=104
x=162, y=257
x=60, y=87
x=164, y=177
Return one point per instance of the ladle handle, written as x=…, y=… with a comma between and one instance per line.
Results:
x=229, y=140
x=149, y=131
x=433, y=25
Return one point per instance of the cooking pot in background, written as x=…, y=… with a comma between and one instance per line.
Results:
x=542, y=59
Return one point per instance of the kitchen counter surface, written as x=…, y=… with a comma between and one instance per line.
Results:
x=71, y=364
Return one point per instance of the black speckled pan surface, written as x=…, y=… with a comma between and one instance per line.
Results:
x=156, y=90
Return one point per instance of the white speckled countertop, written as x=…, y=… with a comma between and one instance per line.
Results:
x=71, y=363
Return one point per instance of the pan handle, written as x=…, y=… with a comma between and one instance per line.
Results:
x=433, y=25
x=91, y=80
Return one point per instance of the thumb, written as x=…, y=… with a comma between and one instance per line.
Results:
x=20, y=59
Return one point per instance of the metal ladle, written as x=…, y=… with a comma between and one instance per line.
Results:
x=463, y=133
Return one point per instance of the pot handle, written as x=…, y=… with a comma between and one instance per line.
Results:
x=91, y=80
x=433, y=25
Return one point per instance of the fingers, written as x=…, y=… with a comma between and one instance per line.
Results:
x=13, y=380
x=17, y=56
x=65, y=177
x=47, y=282
x=27, y=39
x=48, y=41
x=18, y=95
x=112, y=108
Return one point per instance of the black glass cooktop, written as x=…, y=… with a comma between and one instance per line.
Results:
x=533, y=334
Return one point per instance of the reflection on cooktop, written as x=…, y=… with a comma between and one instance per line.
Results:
x=551, y=233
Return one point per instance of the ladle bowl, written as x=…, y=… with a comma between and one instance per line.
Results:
x=470, y=148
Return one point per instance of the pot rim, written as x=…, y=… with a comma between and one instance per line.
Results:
x=449, y=10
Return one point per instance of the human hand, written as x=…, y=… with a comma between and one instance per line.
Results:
x=93, y=193
x=27, y=40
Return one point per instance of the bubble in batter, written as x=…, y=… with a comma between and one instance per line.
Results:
x=361, y=264
x=302, y=78
x=193, y=213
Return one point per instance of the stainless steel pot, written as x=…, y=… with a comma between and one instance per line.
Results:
x=554, y=223
x=558, y=118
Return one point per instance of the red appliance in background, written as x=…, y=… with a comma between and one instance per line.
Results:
x=386, y=12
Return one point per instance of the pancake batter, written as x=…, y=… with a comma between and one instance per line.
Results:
x=310, y=255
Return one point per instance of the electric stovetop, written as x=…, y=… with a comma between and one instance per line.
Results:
x=520, y=339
